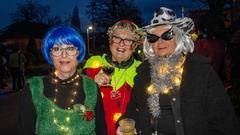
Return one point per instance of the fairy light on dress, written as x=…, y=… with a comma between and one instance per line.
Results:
x=116, y=116
x=56, y=121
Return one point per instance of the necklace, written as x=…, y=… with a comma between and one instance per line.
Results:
x=116, y=81
x=75, y=80
x=116, y=94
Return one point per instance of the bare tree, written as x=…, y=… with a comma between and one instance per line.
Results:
x=31, y=11
x=56, y=20
x=75, y=18
x=213, y=21
x=104, y=13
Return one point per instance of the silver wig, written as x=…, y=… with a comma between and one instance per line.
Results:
x=183, y=41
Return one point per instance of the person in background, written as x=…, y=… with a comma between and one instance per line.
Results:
x=16, y=64
x=219, y=54
x=114, y=72
x=3, y=72
x=63, y=102
x=176, y=92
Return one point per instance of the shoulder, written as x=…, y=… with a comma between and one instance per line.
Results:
x=137, y=62
x=198, y=65
x=35, y=79
x=144, y=66
x=88, y=80
x=195, y=59
x=92, y=61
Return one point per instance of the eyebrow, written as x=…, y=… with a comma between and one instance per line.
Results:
x=162, y=33
x=123, y=38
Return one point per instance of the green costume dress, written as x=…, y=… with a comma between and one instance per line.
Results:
x=53, y=119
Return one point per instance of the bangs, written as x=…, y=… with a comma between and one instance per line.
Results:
x=60, y=36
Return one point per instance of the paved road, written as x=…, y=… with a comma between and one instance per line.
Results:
x=9, y=109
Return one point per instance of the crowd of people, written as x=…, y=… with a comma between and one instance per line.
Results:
x=171, y=92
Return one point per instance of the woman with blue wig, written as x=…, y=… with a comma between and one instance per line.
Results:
x=63, y=102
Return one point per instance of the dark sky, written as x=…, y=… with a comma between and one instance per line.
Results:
x=64, y=8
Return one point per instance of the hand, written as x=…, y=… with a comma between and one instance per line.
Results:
x=118, y=131
x=102, y=79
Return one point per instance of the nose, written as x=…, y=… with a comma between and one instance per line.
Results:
x=121, y=43
x=159, y=41
x=64, y=53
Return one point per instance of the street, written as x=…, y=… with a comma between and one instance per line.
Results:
x=9, y=109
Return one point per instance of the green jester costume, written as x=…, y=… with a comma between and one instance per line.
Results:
x=115, y=97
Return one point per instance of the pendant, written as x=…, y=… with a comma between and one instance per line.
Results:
x=115, y=94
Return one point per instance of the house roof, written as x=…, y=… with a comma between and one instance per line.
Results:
x=20, y=29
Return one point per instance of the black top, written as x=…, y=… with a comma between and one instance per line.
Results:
x=28, y=114
x=165, y=123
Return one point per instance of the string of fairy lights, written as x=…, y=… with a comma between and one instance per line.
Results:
x=163, y=71
x=67, y=120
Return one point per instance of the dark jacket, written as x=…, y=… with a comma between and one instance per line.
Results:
x=204, y=107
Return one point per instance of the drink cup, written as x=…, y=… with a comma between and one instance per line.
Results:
x=127, y=126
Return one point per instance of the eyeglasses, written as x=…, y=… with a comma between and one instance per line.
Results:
x=168, y=35
x=118, y=40
x=70, y=51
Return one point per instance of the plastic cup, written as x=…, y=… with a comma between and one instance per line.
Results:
x=127, y=126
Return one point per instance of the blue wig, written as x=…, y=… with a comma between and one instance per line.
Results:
x=63, y=35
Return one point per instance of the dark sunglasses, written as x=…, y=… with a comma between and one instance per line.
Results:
x=168, y=35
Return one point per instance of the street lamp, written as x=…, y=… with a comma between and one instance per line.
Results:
x=88, y=43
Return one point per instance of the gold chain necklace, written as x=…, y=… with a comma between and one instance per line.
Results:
x=116, y=82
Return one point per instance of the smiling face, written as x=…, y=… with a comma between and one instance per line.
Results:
x=163, y=47
x=119, y=45
x=64, y=58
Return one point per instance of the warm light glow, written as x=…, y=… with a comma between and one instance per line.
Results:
x=74, y=93
x=56, y=90
x=117, y=116
x=177, y=81
x=90, y=27
x=53, y=110
x=55, y=80
x=165, y=90
x=163, y=70
x=76, y=83
x=55, y=100
x=72, y=100
x=194, y=36
x=55, y=72
x=102, y=94
x=180, y=70
x=151, y=89
x=96, y=64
